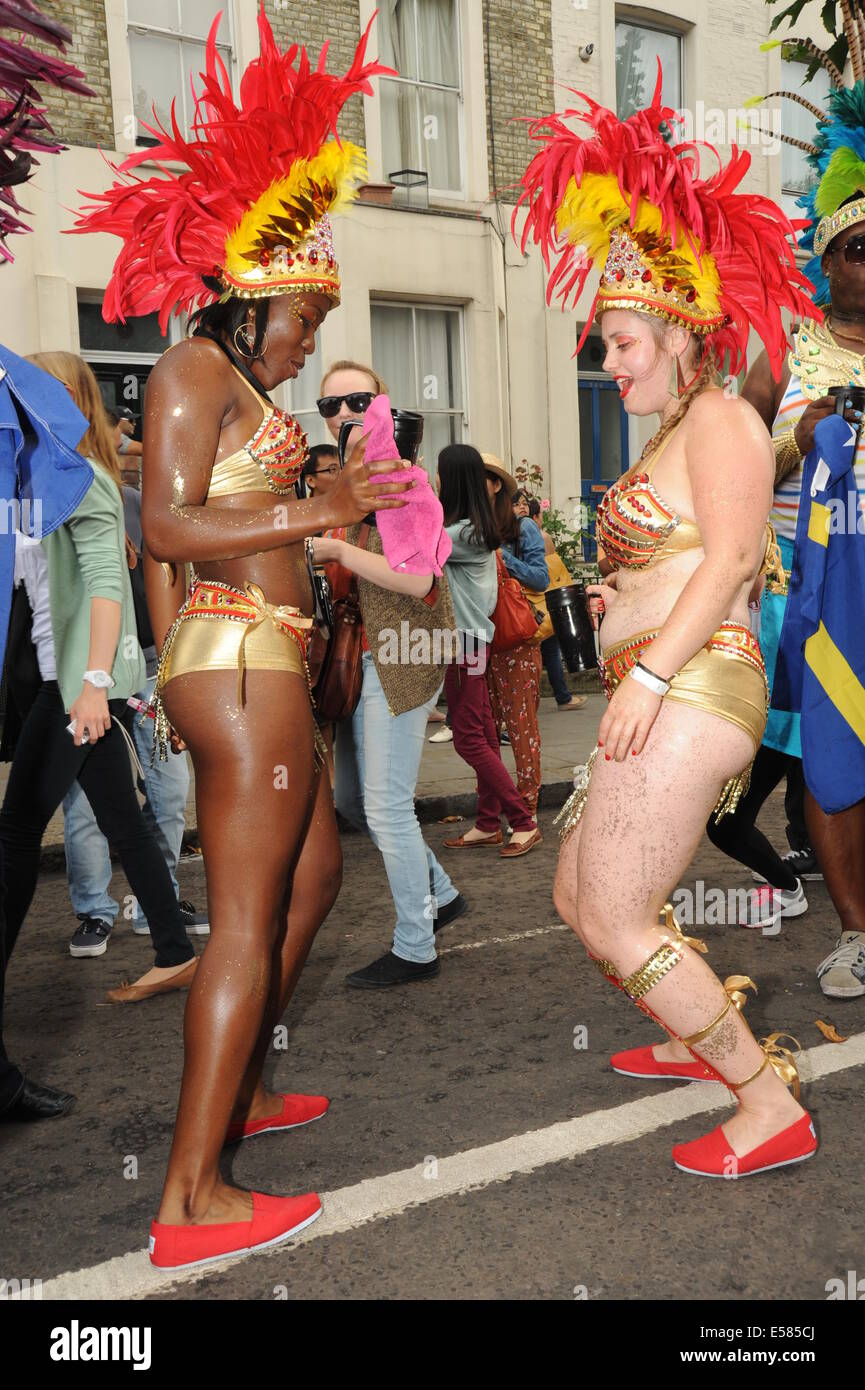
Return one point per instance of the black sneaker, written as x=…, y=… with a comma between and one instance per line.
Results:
x=196, y=923
x=504, y=738
x=91, y=938
x=804, y=864
x=392, y=970
x=450, y=912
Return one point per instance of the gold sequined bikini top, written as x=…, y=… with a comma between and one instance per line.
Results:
x=636, y=528
x=272, y=459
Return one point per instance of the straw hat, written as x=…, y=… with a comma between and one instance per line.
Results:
x=494, y=465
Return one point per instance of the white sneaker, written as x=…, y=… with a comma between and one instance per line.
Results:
x=767, y=905
x=444, y=735
x=842, y=973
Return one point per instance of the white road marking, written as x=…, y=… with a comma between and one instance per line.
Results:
x=504, y=940
x=132, y=1276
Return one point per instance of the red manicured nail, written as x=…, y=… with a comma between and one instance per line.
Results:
x=600, y=745
x=607, y=758
x=633, y=752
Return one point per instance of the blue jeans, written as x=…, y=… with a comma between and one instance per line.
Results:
x=377, y=759
x=551, y=655
x=88, y=864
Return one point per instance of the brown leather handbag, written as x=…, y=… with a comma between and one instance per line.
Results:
x=337, y=690
x=513, y=617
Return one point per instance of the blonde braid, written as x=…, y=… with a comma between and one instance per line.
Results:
x=707, y=376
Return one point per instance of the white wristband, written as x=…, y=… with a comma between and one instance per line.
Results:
x=653, y=683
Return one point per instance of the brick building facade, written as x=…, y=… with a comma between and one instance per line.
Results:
x=85, y=121
x=518, y=63
x=297, y=21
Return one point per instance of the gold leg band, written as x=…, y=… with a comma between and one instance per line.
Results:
x=606, y=967
x=659, y=964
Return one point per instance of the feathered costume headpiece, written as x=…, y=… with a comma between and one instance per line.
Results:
x=24, y=126
x=249, y=214
x=837, y=153
x=668, y=243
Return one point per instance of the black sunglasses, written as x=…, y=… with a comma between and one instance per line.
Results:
x=853, y=250
x=357, y=402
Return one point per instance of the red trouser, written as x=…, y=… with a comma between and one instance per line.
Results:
x=477, y=743
x=515, y=694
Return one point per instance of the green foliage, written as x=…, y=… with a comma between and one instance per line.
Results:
x=833, y=23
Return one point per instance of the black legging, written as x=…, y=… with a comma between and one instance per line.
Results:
x=45, y=765
x=737, y=835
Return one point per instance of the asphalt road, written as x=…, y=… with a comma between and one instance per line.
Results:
x=574, y=1206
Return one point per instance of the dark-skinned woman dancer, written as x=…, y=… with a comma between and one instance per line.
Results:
x=245, y=231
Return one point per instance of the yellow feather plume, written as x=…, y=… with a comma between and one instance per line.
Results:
x=287, y=211
x=590, y=213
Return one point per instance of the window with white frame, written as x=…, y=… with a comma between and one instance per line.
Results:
x=420, y=109
x=166, y=47
x=797, y=176
x=418, y=350
x=638, y=48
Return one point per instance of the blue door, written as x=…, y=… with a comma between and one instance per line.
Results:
x=603, y=440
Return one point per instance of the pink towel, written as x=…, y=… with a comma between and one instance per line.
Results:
x=412, y=537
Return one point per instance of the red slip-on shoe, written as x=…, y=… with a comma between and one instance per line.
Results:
x=296, y=1111
x=274, y=1219
x=640, y=1062
x=712, y=1157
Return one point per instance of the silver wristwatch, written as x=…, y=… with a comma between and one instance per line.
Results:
x=100, y=679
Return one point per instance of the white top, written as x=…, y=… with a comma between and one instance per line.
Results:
x=31, y=570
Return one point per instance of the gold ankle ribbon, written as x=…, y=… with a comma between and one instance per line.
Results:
x=734, y=985
x=780, y=1059
x=669, y=922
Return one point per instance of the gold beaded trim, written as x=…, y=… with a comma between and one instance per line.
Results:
x=787, y=455
x=829, y=228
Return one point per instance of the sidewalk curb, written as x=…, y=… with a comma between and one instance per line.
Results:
x=430, y=809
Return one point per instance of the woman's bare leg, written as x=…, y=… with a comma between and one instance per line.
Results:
x=640, y=829
x=255, y=784
x=313, y=889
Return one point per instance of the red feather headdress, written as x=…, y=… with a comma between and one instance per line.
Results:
x=249, y=211
x=669, y=243
x=24, y=126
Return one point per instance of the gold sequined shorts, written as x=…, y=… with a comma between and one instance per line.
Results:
x=727, y=677
x=220, y=628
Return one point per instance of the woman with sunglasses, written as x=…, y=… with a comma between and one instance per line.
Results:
x=347, y=390
x=377, y=752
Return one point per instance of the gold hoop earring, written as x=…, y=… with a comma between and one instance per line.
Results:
x=249, y=345
x=243, y=352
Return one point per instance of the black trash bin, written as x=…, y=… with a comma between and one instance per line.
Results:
x=573, y=626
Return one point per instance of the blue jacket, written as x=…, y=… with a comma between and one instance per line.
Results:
x=530, y=567
x=42, y=477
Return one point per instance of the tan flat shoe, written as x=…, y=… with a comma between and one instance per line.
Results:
x=575, y=702
x=514, y=850
x=463, y=843
x=133, y=994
